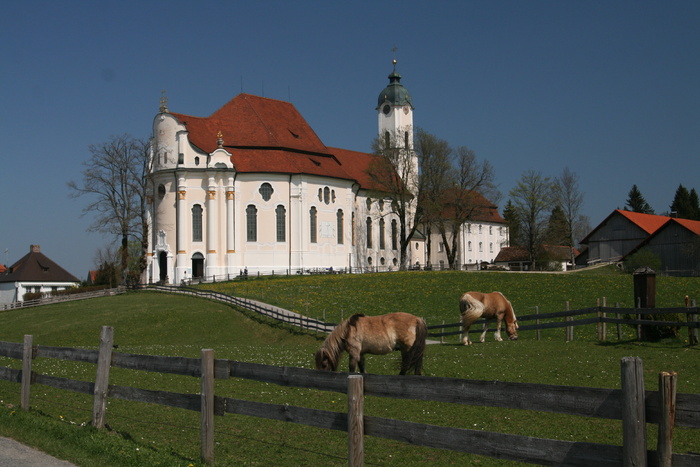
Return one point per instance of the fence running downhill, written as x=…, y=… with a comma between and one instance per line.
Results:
x=631, y=404
x=566, y=319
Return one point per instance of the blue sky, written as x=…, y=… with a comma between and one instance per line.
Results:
x=609, y=89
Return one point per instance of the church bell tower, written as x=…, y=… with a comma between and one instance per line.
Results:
x=395, y=122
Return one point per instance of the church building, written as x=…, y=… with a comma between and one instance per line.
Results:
x=252, y=189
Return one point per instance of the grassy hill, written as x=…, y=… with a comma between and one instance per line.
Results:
x=162, y=324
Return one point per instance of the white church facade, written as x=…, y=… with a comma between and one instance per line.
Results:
x=252, y=188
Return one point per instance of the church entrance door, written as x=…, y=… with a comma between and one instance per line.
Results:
x=163, y=265
x=197, y=265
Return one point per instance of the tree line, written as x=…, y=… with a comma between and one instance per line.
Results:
x=685, y=204
x=430, y=187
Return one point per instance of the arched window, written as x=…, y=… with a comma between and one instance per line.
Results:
x=197, y=223
x=387, y=140
x=382, y=244
x=251, y=214
x=405, y=140
x=312, y=225
x=281, y=223
x=369, y=232
x=481, y=246
x=394, y=235
x=469, y=246
x=266, y=191
x=326, y=195
x=339, y=227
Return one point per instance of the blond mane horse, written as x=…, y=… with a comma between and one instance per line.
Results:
x=377, y=335
x=475, y=305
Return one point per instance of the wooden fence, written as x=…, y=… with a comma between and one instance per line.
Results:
x=58, y=298
x=631, y=404
x=601, y=316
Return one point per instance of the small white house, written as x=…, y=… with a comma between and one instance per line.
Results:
x=34, y=272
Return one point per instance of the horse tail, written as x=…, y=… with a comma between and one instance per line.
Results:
x=470, y=308
x=417, y=351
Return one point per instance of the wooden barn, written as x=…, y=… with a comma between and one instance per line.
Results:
x=619, y=234
x=677, y=244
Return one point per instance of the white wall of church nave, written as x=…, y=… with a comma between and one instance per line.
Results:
x=297, y=194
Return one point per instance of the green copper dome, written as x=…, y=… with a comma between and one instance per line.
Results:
x=394, y=93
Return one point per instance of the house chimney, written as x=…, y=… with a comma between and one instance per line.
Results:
x=34, y=248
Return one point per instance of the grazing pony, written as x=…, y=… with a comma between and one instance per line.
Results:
x=475, y=305
x=377, y=335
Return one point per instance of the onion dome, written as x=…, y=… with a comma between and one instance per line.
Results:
x=394, y=94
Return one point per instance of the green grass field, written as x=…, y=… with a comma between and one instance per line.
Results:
x=162, y=324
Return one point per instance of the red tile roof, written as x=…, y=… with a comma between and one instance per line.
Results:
x=693, y=226
x=647, y=222
x=517, y=253
x=483, y=209
x=253, y=122
x=270, y=136
x=36, y=267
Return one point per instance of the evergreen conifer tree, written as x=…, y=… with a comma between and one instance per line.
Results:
x=637, y=203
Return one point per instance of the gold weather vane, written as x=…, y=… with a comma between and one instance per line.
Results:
x=220, y=140
x=163, y=102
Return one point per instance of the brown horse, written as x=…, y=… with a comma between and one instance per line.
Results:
x=475, y=305
x=377, y=335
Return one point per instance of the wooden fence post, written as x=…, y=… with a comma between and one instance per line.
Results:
x=27, y=355
x=569, y=329
x=667, y=397
x=639, y=326
x=356, y=423
x=619, y=326
x=104, y=361
x=599, y=324
x=692, y=318
x=537, y=312
x=634, y=443
x=208, y=406
x=604, y=324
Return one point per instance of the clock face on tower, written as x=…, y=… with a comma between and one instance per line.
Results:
x=386, y=109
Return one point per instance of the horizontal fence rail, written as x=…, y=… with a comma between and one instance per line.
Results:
x=630, y=404
x=64, y=297
x=601, y=316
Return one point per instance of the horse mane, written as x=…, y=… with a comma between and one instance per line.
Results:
x=334, y=345
x=510, y=310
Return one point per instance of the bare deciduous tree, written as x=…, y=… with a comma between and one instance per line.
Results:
x=114, y=181
x=395, y=173
x=464, y=199
x=532, y=199
x=569, y=198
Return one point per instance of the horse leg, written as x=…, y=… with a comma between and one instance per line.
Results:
x=361, y=363
x=355, y=359
x=465, y=339
x=404, y=362
x=482, y=339
x=498, y=329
